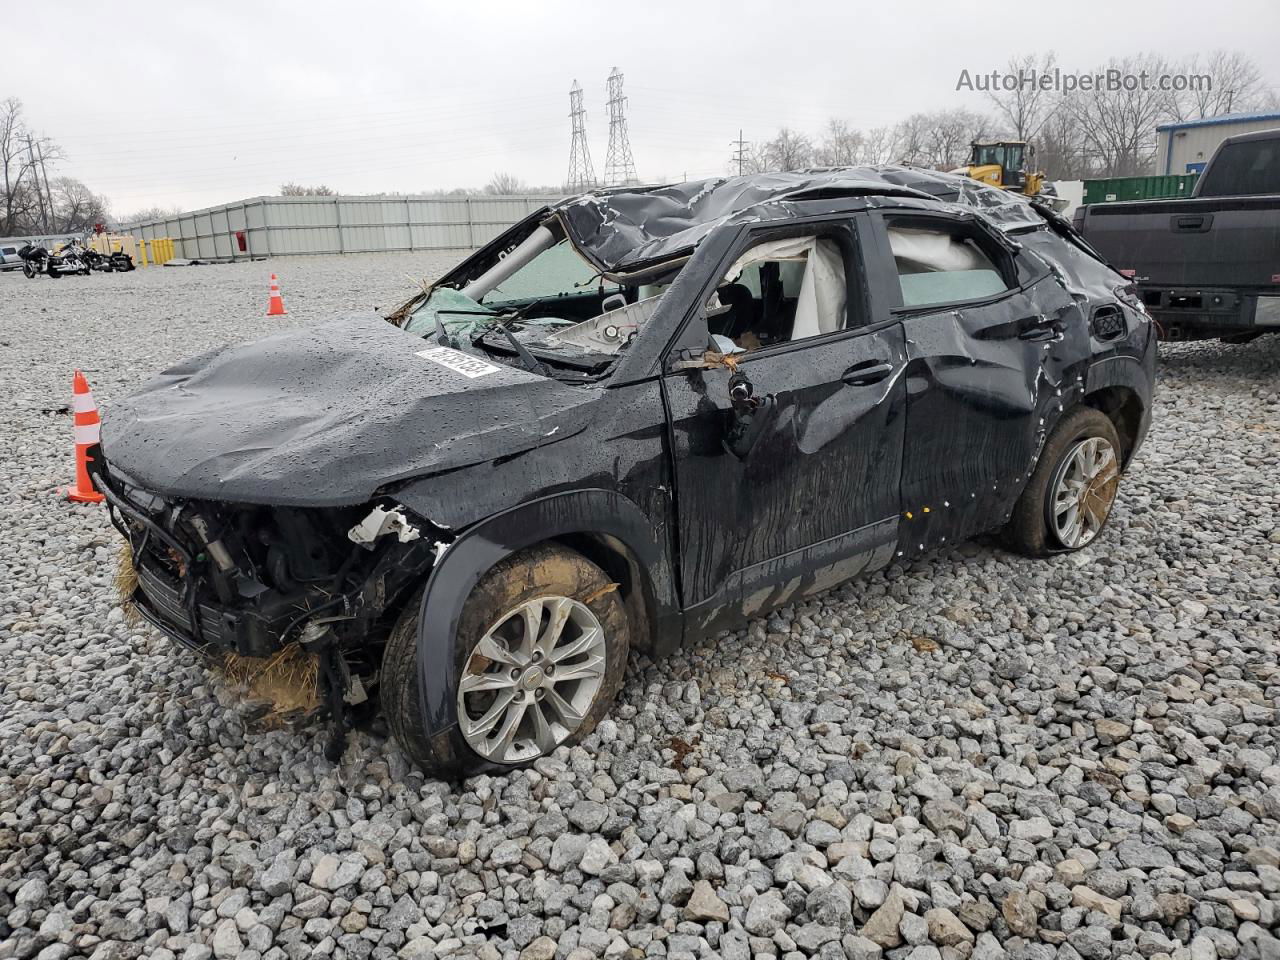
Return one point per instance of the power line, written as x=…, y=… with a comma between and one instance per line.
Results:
x=619, y=165
x=582, y=176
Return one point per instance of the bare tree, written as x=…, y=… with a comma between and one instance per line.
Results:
x=909, y=140
x=501, y=184
x=76, y=208
x=940, y=139
x=297, y=190
x=1061, y=151
x=1119, y=125
x=21, y=207
x=1234, y=84
x=150, y=213
x=789, y=150
x=950, y=133
x=879, y=145
x=1024, y=110
x=841, y=145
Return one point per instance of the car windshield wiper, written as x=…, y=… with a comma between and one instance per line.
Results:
x=531, y=363
x=442, y=335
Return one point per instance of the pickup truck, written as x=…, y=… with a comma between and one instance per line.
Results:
x=1207, y=266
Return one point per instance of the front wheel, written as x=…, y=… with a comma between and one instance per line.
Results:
x=1071, y=492
x=538, y=658
x=28, y=270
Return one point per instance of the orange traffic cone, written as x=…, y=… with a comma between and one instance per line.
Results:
x=275, y=306
x=87, y=429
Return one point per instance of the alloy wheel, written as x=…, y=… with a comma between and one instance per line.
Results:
x=531, y=679
x=1084, y=491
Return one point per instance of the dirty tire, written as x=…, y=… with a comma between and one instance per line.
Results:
x=543, y=570
x=1028, y=530
x=398, y=685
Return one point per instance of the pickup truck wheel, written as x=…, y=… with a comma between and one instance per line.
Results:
x=539, y=656
x=1071, y=491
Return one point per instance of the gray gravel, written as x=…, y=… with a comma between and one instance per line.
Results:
x=976, y=755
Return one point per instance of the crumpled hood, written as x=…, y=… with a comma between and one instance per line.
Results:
x=325, y=415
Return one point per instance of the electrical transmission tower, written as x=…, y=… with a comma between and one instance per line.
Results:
x=739, y=154
x=582, y=176
x=619, y=165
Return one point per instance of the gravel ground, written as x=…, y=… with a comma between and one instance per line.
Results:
x=976, y=755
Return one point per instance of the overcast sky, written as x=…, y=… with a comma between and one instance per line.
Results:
x=191, y=104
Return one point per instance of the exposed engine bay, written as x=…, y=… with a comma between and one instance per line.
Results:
x=253, y=580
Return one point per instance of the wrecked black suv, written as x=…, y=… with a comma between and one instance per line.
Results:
x=630, y=421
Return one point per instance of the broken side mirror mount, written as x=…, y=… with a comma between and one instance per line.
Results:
x=750, y=415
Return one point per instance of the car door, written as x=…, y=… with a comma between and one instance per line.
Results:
x=989, y=335
x=812, y=498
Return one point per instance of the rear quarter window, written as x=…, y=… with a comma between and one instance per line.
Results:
x=941, y=264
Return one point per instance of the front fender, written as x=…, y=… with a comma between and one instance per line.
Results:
x=461, y=565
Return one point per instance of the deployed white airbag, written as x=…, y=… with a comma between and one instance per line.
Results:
x=820, y=307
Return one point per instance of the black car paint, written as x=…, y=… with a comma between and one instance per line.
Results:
x=326, y=416
x=844, y=476
x=983, y=387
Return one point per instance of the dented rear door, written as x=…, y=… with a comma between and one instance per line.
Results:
x=985, y=381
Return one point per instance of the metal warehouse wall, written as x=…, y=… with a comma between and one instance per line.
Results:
x=284, y=226
x=1192, y=146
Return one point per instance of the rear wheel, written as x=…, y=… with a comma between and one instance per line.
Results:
x=539, y=656
x=1071, y=492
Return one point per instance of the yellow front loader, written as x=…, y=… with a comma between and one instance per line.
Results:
x=1004, y=164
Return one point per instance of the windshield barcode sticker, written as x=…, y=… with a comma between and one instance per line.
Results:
x=458, y=362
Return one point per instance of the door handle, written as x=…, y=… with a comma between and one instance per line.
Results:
x=866, y=373
x=1193, y=224
x=1038, y=327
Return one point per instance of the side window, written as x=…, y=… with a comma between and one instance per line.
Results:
x=942, y=263
x=779, y=291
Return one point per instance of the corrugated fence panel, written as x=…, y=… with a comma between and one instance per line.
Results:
x=285, y=226
x=442, y=236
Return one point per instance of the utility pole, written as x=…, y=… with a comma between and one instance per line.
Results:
x=582, y=175
x=35, y=175
x=47, y=192
x=740, y=154
x=619, y=165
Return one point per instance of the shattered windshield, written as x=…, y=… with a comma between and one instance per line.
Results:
x=558, y=272
x=548, y=297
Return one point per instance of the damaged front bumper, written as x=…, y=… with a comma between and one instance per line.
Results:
x=250, y=580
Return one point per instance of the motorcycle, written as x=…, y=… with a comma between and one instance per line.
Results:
x=75, y=255
x=107, y=263
x=37, y=260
